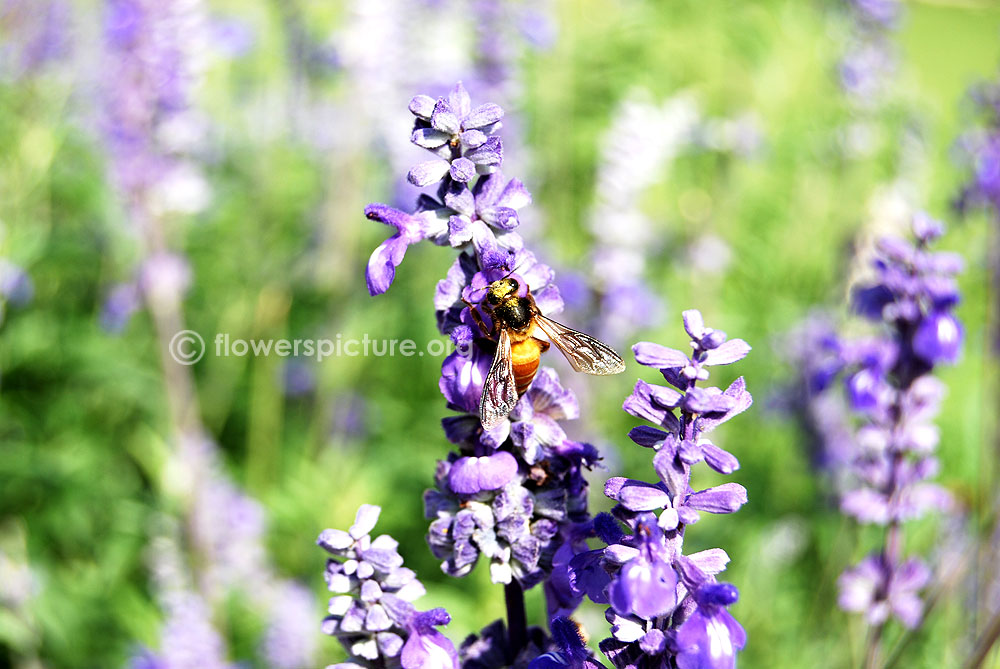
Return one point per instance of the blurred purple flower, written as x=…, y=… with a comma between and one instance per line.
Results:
x=119, y=306
x=866, y=68
x=879, y=590
x=35, y=34
x=889, y=385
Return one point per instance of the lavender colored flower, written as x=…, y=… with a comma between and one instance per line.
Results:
x=142, y=119
x=570, y=649
x=224, y=533
x=482, y=217
x=514, y=526
x=188, y=638
x=514, y=494
x=371, y=613
x=667, y=607
x=35, y=34
x=815, y=354
x=879, y=590
x=459, y=135
x=889, y=385
x=409, y=230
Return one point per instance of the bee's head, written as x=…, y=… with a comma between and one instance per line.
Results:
x=501, y=290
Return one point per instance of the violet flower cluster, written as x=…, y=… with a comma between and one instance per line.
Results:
x=514, y=494
x=666, y=608
x=372, y=613
x=890, y=386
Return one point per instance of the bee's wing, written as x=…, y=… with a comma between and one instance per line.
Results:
x=500, y=388
x=585, y=353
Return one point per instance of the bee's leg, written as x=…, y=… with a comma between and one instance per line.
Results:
x=479, y=319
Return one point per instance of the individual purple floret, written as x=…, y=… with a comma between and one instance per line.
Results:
x=371, y=613
x=667, y=608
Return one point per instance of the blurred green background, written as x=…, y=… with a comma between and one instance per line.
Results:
x=280, y=251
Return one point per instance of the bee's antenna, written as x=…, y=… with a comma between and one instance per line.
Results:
x=497, y=260
x=516, y=268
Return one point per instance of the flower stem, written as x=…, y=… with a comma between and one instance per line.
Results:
x=874, y=651
x=517, y=620
x=985, y=643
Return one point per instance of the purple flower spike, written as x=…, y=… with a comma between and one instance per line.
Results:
x=884, y=461
x=666, y=608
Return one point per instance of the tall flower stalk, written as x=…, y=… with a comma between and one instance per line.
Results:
x=151, y=78
x=892, y=391
x=667, y=608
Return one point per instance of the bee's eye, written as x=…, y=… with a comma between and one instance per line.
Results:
x=513, y=284
x=492, y=298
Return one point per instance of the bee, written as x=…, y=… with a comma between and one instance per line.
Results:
x=517, y=322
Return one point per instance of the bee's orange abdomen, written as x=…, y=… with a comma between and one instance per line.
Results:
x=524, y=358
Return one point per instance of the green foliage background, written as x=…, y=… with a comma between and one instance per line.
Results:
x=83, y=424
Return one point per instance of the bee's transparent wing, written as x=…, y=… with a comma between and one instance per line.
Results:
x=500, y=388
x=585, y=353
